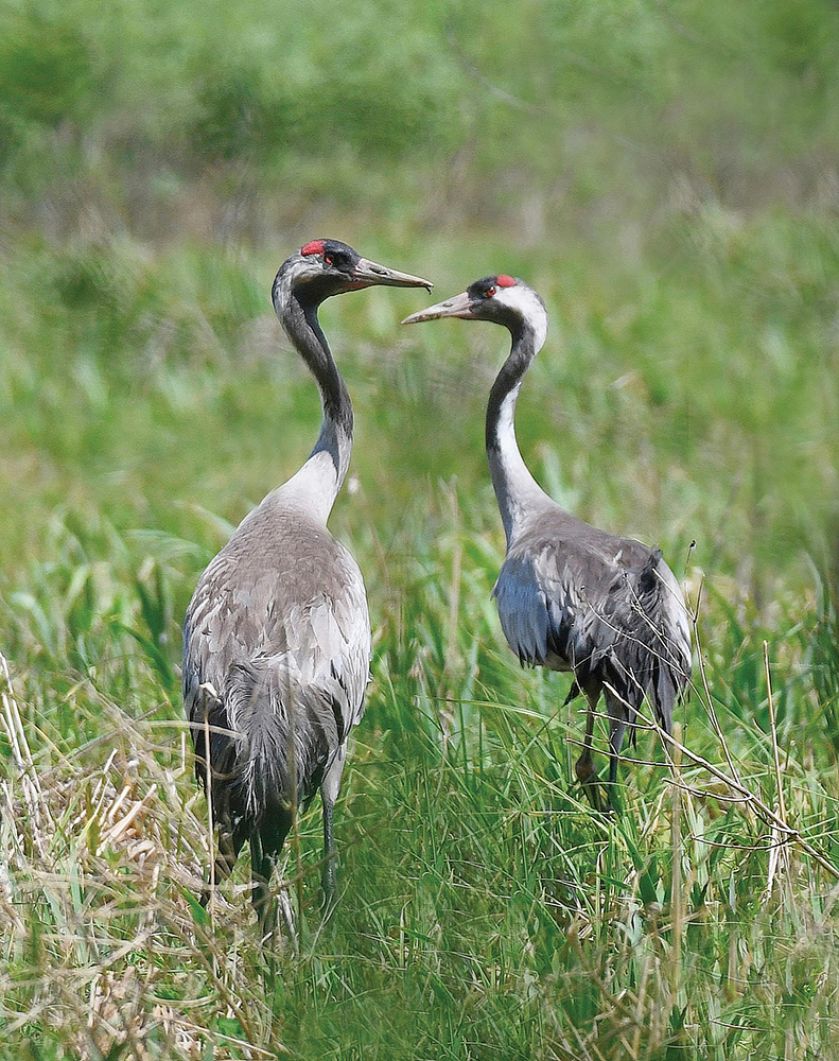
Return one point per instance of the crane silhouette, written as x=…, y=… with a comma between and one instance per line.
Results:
x=571, y=597
x=277, y=635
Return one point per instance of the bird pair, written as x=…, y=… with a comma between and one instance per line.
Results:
x=277, y=635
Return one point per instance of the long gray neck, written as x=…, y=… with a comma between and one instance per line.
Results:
x=317, y=483
x=516, y=490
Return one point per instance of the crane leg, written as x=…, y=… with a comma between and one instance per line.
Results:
x=617, y=728
x=229, y=845
x=584, y=767
x=330, y=859
x=615, y=742
x=329, y=793
x=262, y=866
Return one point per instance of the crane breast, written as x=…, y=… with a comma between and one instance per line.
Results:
x=528, y=617
x=295, y=599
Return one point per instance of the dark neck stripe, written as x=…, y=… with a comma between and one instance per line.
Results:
x=522, y=352
x=336, y=399
x=301, y=323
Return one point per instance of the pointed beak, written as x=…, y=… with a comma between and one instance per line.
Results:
x=457, y=306
x=369, y=273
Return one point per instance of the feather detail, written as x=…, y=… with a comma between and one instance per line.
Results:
x=571, y=597
x=283, y=659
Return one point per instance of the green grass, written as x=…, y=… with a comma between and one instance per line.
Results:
x=665, y=177
x=483, y=909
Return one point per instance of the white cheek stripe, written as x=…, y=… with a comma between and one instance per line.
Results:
x=529, y=305
x=506, y=420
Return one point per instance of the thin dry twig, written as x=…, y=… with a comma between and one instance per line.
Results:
x=760, y=808
x=777, y=860
x=22, y=756
x=708, y=699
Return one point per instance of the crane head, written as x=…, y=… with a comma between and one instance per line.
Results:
x=501, y=299
x=326, y=267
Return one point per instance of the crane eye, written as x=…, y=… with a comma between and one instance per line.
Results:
x=328, y=259
x=490, y=291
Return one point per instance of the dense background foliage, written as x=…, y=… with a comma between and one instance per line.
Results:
x=667, y=176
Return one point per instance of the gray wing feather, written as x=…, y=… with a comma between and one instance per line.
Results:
x=609, y=609
x=279, y=618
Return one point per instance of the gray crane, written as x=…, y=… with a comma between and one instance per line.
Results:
x=277, y=636
x=571, y=597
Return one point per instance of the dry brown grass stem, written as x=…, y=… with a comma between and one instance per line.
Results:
x=708, y=699
x=777, y=855
x=676, y=900
x=22, y=755
x=211, y=856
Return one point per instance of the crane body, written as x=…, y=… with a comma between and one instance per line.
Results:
x=572, y=597
x=277, y=635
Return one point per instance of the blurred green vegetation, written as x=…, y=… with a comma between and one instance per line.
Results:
x=667, y=176
x=588, y=110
